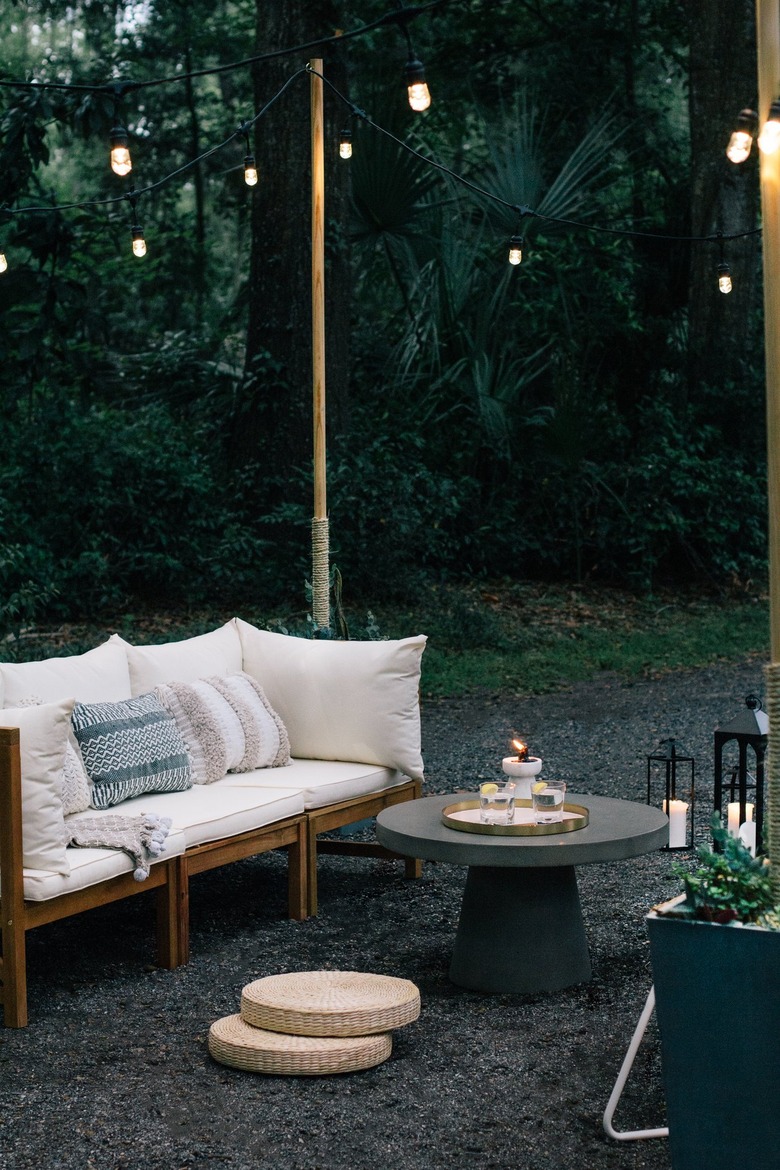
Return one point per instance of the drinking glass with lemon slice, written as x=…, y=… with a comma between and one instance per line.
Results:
x=547, y=797
x=496, y=803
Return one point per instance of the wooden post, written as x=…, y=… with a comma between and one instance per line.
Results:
x=768, y=50
x=320, y=552
x=768, y=39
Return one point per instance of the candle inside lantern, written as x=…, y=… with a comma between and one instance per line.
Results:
x=732, y=823
x=678, y=823
x=747, y=833
x=521, y=749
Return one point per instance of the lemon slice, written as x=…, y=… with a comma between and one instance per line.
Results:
x=488, y=789
x=539, y=786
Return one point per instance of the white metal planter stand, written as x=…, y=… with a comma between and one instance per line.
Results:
x=631, y=1135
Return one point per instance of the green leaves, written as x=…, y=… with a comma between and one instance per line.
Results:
x=730, y=885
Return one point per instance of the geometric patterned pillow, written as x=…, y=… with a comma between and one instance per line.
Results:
x=130, y=747
x=227, y=724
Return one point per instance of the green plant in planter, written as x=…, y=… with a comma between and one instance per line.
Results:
x=730, y=884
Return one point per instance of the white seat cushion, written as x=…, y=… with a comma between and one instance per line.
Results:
x=212, y=811
x=218, y=652
x=322, y=782
x=98, y=676
x=88, y=867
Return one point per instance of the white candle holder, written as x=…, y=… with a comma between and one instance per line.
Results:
x=522, y=772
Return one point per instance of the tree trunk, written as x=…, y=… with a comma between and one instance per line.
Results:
x=274, y=419
x=724, y=196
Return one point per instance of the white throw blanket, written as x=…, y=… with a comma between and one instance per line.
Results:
x=143, y=837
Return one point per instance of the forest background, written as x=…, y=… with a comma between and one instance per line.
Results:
x=594, y=415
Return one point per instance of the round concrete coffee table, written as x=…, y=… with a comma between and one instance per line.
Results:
x=521, y=927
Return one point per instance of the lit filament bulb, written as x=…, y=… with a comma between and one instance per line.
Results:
x=769, y=138
x=3, y=262
x=250, y=171
x=741, y=140
x=516, y=250
x=121, y=163
x=139, y=243
x=724, y=277
x=345, y=144
x=416, y=86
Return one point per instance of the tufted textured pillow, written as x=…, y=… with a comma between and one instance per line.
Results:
x=130, y=748
x=227, y=724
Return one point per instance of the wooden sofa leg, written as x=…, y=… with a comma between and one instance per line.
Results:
x=173, y=916
x=13, y=972
x=298, y=875
x=311, y=867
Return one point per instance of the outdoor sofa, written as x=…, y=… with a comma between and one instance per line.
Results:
x=92, y=741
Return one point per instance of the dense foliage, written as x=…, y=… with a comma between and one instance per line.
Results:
x=538, y=421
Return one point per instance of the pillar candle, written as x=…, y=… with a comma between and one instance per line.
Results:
x=747, y=835
x=733, y=818
x=678, y=823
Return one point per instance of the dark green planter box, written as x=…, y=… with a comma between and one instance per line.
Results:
x=718, y=1007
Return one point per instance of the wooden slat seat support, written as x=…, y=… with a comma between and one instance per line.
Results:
x=335, y=816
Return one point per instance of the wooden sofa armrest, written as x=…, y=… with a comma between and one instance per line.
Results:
x=13, y=976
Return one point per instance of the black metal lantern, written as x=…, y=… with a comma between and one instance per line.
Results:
x=671, y=784
x=739, y=780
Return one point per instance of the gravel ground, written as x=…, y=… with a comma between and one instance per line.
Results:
x=113, y=1071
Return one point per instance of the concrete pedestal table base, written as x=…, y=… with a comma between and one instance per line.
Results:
x=520, y=930
x=521, y=927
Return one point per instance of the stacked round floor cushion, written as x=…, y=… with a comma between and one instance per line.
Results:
x=309, y=1023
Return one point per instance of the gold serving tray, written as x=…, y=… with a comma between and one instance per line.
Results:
x=577, y=820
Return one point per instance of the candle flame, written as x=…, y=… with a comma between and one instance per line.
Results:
x=521, y=749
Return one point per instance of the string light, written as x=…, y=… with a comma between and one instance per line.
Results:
x=136, y=231
x=345, y=144
x=724, y=277
x=250, y=171
x=416, y=85
x=516, y=250
x=139, y=247
x=769, y=138
x=742, y=136
x=250, y=166
x=139, y=243
x=3, y=262
x=121, y=163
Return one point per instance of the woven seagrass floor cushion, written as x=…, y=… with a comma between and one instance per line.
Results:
x=330, y=1003
x=234, y=1042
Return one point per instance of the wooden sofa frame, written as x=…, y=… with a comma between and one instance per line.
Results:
x=169, y=879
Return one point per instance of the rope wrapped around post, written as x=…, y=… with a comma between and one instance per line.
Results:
x=772, y=803
x=320, y=579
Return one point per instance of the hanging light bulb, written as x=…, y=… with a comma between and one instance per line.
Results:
x=139, y=243
x=250, y=171
x=3, y=262
x=516, y=250
x=769, y=138
x=741, y=139
x=121, y=163
x=419, y=94
x=724, y=277
x=345, y=144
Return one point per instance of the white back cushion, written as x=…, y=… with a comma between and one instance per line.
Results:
x=342, y=700
x=100, y=675
x=218, y=652
x=43, y=738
